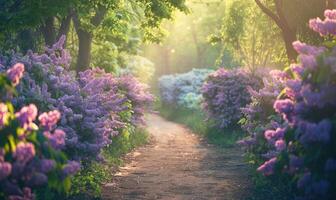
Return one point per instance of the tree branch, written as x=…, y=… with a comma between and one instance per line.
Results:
x=268, y=12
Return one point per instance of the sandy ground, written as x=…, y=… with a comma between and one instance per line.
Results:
x=179, y=165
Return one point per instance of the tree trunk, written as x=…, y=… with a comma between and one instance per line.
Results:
x=65, y=27
x=288, y=35
x=84, y=50
x=85, y=38
x=48, y=31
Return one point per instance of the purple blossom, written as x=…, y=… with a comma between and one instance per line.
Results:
x=225, y=92
x=15, y=73
x=304, y=180
x=57, y=139
x=305, y=49
x=330, y=165
x=24, y=152
x=268, y=167
x=47, y=165
x=71, y=168
x=311, y=132
x=37, y=179
x=295, y=163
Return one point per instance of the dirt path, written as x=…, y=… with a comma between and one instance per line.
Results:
x=179, y=165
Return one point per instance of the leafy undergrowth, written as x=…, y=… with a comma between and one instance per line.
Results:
x=195, y=120
x=87, y=183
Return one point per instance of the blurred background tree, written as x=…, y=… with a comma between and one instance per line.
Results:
x=119, y=25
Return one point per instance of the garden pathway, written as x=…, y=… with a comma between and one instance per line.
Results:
x=179, y=165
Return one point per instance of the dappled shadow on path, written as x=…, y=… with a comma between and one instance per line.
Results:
x=179, y=165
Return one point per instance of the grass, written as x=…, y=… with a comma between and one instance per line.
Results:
x=196, y=121
x=87, y=183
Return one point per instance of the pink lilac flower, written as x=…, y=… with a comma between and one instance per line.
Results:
x=280, y=145
x=24, y=152
x=27, y=115
x=274, y=134
x=57, y=139
x=49, y=119
x=5, y=170
x=3, y=114
x=325, y=27
x=268, y=167
x=15, y=73
x=331, y=14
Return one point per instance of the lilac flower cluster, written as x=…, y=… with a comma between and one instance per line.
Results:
x=305, y=145
x=259, y=115
x=28, y=160
x=225, y=92
x=183, y=89
x=91, y=104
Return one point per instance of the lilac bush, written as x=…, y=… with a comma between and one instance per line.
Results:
x=259, y=115
x=183, y=89
x=304, y=146
x=91, y=104
x=28, y=160
x=225, y=92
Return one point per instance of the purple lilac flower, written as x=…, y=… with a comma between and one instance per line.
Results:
x=24, y=152
x=320, y=188
x=303, y=48
x=15, y=73
x=37, y=179
x=71, y=168
x=304, y=180
x=49, y=119
x=330, y=165
x=295, y=163
x=5, y=170
x=26, y=116
x=3, y=114
x=47, y=165
x=57, y=139
x=311, y=132
x=268, y=167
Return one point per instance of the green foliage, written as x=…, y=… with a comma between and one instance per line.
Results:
x=87, y=183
